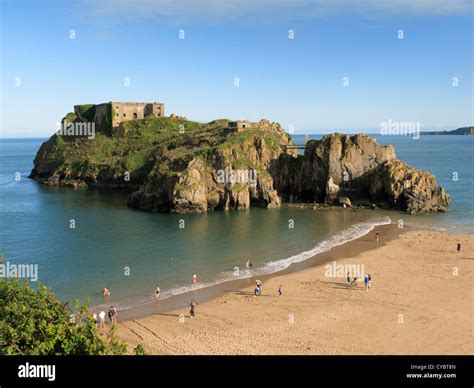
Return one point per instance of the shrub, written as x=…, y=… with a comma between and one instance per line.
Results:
x=140, y=350
x=34, y=322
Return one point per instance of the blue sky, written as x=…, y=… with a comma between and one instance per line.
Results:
x=297, y=82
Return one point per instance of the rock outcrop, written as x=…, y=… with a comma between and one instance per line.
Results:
x=171, y=164
x=407, y=188
x=231, y=176
x=176, y=165
x=356, y=170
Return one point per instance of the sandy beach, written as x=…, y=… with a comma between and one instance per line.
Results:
x=420, y=302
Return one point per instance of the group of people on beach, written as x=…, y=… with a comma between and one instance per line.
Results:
x=258, y=288
x=112, y=314
x=353, y=281
x=99, y=319
x=257, y=292
x=259, y=284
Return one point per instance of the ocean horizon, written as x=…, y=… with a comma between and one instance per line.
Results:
x=299, y=134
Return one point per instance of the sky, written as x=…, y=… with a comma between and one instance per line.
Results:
x=314, y=66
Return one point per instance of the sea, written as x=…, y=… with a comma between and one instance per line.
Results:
x=84, y=240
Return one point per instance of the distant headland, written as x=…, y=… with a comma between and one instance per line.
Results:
x=459, y=131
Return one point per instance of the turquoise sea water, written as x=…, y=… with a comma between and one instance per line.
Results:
x=132, y=251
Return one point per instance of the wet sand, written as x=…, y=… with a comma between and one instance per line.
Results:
x=420, y=302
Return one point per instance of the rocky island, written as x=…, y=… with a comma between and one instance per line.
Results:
x=171, y=164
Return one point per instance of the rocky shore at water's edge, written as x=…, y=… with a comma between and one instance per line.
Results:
x=175, y=165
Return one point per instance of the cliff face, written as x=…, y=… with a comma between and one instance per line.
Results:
x=342, y=169
x=232, y=175
x=172, y=164
x=407, y=188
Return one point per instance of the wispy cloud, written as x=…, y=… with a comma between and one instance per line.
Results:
x=196, y=11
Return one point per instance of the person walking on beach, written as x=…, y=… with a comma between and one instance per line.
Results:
x=257, y=291
x=370, y=280
x=195, y=279
x=157, y=292
x=248, y=265
x=258, y=288
x=192, y=308
x=459, y=247
x=348, y=278
x=102, y=319
x=377, y=237
x=280, y=290
x=94, y=317
x=113, y=315
x=366, y=282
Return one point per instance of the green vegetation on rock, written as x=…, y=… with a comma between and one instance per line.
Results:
x=86, y=111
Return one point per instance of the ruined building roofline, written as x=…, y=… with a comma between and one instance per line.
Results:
x=124, y=103
x=132, y=103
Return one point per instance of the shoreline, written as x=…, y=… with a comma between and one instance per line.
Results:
x=416, y=305
x=213, y=291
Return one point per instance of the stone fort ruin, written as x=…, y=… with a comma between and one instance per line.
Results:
x=111, y=115
x=243, y=125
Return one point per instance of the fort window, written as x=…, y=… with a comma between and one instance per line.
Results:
x=124, y=115
x=135, y=116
